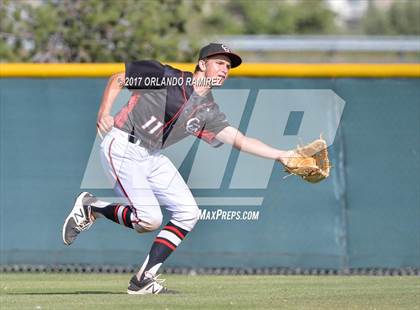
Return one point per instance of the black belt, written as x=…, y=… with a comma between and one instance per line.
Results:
x=131, y=137
x=137, y=141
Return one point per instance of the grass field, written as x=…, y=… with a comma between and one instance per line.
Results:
x=108, y=291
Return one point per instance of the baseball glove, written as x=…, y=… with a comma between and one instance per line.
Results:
x=313, y=165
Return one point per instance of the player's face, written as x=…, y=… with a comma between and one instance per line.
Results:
x=218, y=67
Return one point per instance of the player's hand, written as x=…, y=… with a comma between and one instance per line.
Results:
x=285, y=156
x=104, y=124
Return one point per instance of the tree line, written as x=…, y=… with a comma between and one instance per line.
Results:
x=168, y=30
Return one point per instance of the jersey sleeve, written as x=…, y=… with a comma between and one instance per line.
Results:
x=215, y=122
x=144, y=74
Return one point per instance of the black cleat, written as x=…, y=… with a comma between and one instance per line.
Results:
x=149, y=285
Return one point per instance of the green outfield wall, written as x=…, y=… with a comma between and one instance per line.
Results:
x=367, y=214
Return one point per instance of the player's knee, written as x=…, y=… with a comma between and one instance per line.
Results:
x=155, y=222
x=189, y=217
x=149, y=223
x=195, y=215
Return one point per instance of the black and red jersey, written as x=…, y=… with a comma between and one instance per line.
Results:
x=163, y=107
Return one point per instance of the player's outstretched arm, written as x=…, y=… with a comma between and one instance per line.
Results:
x=105, y=121
x=233, y=136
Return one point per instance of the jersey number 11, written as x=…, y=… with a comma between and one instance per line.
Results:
x=150, y=123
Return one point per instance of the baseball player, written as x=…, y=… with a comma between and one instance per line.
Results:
x=166, y=105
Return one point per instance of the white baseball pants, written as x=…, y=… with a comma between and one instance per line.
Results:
x=147, y=180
